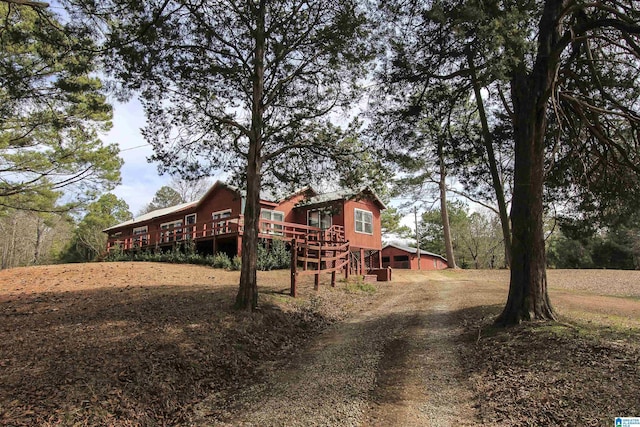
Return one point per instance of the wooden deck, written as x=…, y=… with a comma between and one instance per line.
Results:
x=223, y=228
x=313, y=250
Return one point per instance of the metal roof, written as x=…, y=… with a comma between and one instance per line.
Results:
x=347, y=194
x=155, y=214
x=413, y=250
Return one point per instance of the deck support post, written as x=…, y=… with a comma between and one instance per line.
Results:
x=347, y=268
x=294, y=266
x=334, y=262
x=316, y=284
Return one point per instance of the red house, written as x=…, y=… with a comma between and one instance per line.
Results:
x=215, y=223
x=403, y=257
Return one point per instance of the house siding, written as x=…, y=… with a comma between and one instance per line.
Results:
x=362, y=240
x=220, y=200
x=300, y=214
x=288, y=207
x=222, y=197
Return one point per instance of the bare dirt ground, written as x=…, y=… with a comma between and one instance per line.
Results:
x=155, y=344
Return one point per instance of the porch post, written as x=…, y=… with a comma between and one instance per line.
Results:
x=347, y=266
x=316, y=284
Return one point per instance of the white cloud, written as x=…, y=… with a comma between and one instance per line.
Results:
x=140, y=179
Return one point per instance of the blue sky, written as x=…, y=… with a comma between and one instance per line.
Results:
x=140, y=179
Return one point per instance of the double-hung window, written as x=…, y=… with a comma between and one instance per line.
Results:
x=190, y=225
x=271, y=215
x=364, y=221
x=220, y=223
x=141, y=235
x=171, y=231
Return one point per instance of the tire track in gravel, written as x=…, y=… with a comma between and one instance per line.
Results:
x=420, y=377
x=392, y=365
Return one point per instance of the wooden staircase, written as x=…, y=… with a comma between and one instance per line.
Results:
x=317, y=253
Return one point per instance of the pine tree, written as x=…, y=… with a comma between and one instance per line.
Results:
x=52, y=111
x=242, y=86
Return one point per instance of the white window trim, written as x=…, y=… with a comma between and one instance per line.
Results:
x=140, y=230
x=172, y=223
x=220, y=225
x=355, y=221
x=140, y=234
x=308, y=217
x=271, y=212
x=220, y=213
x=272, y=228
x=170, y=235
x=195, y=215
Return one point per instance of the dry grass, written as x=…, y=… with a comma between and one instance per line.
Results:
x=141, y=343
x=580, y=371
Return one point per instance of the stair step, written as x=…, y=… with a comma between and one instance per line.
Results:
x=370, y=278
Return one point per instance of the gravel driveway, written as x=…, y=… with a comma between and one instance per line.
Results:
x=395, y=364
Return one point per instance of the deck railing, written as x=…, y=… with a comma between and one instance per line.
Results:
x=225, y=227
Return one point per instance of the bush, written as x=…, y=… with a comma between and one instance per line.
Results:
x=221, y=260
x=236, y=263
x=116, y=254
x=275, y=258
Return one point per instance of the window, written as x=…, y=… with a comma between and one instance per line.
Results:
x=221, y=214
x=141, y=236
x=190, y=225
x=364, y=221
x=220, y=224
x=319, y=218
x=270, y=215
x=171, y=231
x=140, y=230
x=401, y=258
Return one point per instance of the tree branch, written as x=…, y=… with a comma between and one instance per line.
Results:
x=34, y=4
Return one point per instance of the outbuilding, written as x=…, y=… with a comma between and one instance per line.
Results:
x=404, y=257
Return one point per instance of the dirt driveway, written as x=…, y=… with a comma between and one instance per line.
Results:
x=395, y=364
x=421, y=356
x=132, y=344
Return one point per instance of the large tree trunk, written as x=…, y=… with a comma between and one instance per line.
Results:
x=487, y=138
x=247, y=297
x=444, y=210
x=528, y=297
